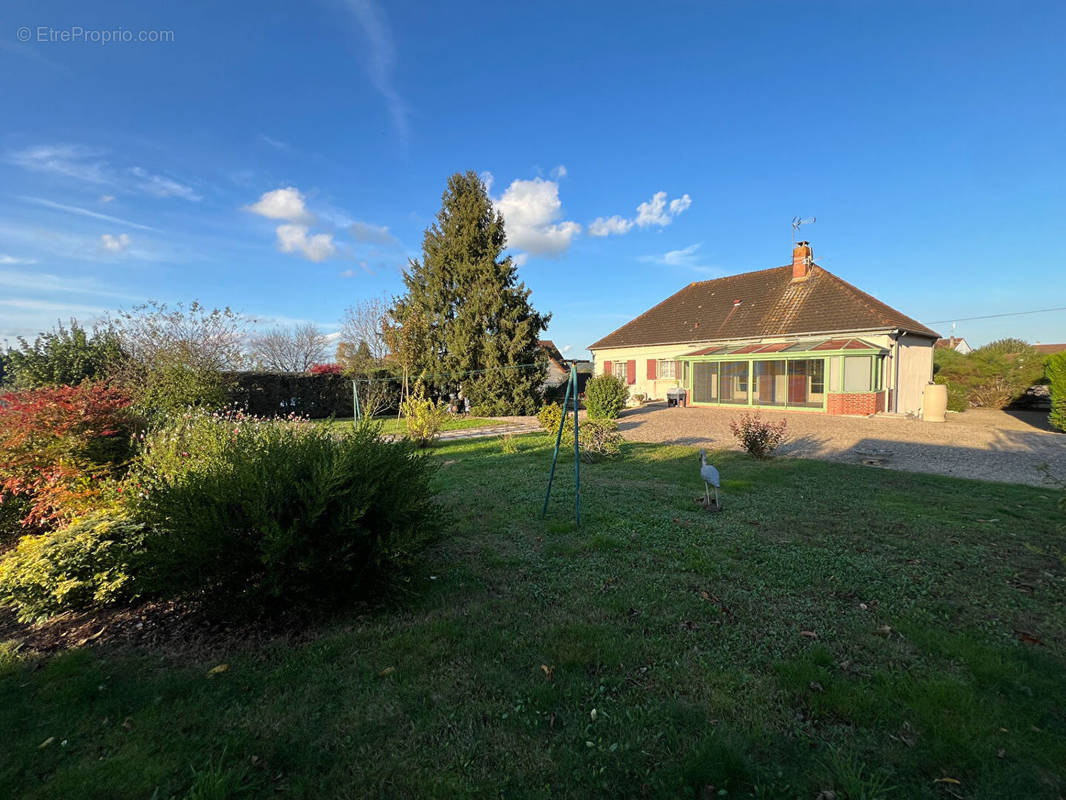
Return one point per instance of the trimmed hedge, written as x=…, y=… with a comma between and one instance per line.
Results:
x=269, y=394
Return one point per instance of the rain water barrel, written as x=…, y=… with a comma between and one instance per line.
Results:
x=934, y=402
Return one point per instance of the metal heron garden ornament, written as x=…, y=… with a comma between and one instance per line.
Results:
x=571, y=389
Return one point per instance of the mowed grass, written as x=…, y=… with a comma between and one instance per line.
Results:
x=846, y=629
x=392, y=426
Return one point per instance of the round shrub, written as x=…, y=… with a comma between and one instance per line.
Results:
x=280, y=510
x=605, y=396
x=93, y=562
x=549, y=417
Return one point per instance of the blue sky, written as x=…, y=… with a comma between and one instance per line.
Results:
x=284, y=158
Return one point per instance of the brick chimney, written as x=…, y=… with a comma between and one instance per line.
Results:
x=802, y=258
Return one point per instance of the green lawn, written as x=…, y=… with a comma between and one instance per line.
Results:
x=868, y=632
x=392, y=426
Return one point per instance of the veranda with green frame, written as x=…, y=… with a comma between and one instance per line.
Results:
x=849, y=348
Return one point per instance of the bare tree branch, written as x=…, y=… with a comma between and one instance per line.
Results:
x=294, y=349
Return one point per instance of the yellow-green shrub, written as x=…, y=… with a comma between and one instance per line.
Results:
x=95, y=561
x=424, y=418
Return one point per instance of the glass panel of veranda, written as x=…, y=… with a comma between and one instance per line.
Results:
x=705, y=382
x=770, y=383
x=733, y=386
x=806, y=382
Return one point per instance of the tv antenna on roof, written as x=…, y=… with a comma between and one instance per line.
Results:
x=797, y=222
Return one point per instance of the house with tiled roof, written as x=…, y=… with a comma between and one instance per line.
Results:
x=795, y=337
x=956, y=343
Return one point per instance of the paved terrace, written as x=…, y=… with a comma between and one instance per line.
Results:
x=980, y=443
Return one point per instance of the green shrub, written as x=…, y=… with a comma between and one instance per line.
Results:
x=992, y=376
x=424, y=418
x=509, y=444
x=1056, y=373
x=605, y=396
x=280, y=509
x=599, y=439
x=957, y=399
x=758, y=437
x=95, y=561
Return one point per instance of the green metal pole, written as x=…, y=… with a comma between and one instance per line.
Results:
x=577, y=453
x=355, y=400
x=555, y=455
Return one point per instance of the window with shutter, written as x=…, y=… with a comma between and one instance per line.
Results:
x=631, y=371
x=651, y=368
x=606, y=367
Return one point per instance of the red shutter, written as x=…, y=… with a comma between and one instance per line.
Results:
x=631, y=371
x=651, y=369
x=606, y=367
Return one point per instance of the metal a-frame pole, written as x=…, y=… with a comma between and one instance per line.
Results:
x=571, y=388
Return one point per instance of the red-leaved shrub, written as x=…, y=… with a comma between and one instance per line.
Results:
x=59, y=445
x=326, y=369
x=757, y=436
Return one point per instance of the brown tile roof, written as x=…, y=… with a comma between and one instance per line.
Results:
x=757, y=304
x=552, y=352
x=1049, y=349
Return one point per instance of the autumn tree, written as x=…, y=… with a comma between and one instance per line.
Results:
x=465, y=321
x=294, y=349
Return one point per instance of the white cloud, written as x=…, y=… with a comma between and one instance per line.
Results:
x=277, y=144
x=115, y=244
x=531, y=210
x=685, y=258
x=294, y=239
x=558, y=172
x=374, y=234
x=380, y=59
x=568, y=348
x=286, y=204
x=84, y=212
x=616, y=225
x=6, y=259
x=86, y=164
x=679, y=204
x=70, y=160
x=656, y=212
x=487, y=180
x=158, y=186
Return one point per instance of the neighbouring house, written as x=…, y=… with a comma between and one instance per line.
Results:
x=558, y=370
x=793, y=337
x=956, y=343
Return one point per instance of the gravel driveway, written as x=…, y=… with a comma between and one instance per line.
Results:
x=980, y=443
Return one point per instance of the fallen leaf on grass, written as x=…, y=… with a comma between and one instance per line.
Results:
x=1028, y=638
x=217, y=670
x=386, y=671
x=809, y=634
x=952, y=781
x=46, y=742
x=548, y=671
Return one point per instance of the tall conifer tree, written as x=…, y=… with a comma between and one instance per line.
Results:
x=466, y=321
